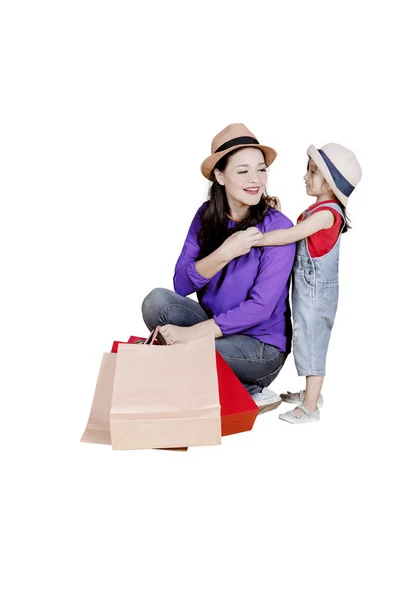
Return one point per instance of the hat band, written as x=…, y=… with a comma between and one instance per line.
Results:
x=341, y=182
x=244, y=139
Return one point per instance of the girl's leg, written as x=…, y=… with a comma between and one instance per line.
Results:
x=307, y=411
x=311, y=397
x=164, y=307
x=313, y=389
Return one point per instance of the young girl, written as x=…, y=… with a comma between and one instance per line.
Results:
x=332, y=174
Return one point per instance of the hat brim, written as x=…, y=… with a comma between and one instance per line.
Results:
x=208, y=165
x=322, y=166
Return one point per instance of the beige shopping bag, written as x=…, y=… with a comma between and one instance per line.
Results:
x=165, y=396
x=98, y=426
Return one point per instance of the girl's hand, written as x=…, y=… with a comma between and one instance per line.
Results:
x=274, y=202
x=240, y=243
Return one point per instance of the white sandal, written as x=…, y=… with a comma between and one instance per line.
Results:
x=304, y=416
x=298, y=398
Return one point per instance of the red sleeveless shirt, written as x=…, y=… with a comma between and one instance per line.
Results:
x=322, y=241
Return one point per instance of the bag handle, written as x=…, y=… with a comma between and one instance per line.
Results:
x=155, y=336
x=152, y=337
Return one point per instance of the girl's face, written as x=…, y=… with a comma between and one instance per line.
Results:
x=316, y=184
x=244, y=176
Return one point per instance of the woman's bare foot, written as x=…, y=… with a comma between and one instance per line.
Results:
x=173, y=334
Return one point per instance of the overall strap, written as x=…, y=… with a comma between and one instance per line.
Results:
x=333, y=205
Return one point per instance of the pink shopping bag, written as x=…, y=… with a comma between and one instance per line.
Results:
x=98, y=426
x=165, y=396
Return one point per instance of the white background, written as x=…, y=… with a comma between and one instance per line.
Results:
x=107, y=110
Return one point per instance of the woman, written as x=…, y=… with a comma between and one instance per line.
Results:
x=242, y=289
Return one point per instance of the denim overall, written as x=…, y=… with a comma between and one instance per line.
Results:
x=315, y=295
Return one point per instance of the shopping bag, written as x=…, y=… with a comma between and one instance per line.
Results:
x=165, y=396
x=238, y=409
x=98, y=426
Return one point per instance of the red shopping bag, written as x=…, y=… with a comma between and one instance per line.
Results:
x=238, y=409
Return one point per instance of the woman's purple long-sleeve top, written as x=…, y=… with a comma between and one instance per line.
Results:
x=253, y=298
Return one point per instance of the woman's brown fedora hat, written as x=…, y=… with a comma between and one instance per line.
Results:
x=231, y=138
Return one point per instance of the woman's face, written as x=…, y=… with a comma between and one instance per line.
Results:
x=244, y=177
x=316, y=184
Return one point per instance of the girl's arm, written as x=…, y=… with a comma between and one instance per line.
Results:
x=280, y=237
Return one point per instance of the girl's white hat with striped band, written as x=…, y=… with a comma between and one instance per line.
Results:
x=340, y=168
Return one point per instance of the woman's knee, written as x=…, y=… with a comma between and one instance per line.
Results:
x=155, y=301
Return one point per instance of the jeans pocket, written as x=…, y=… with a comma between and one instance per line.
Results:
x=305, y=280
x=330, y=292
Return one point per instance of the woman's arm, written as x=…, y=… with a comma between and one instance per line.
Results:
x=191, y=274
x=235, y=245
x=274, y=272
x=210, y=265
x=186, y=277
x=280, y=237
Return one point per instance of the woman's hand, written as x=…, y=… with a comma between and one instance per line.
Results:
x=274, y=202
x=240, y=243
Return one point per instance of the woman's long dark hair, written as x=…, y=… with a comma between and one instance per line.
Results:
x=214, y=220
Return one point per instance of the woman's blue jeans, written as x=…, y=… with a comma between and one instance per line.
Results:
x=255, y=363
